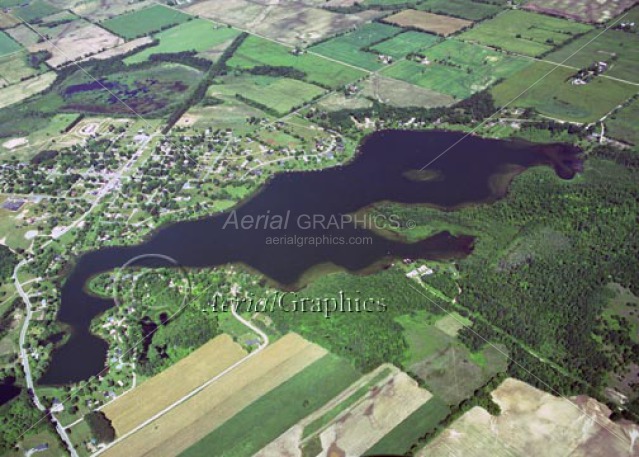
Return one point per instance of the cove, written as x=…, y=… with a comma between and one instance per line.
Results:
x=387, y=168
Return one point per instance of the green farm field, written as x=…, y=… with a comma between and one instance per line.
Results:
x=623, y=126
x=464, y=9
x=145, y=21
x=405, y=43
x=256, y=51
x=556, y=97
x=279, y=95
x=456, y=68
x=400, y=439
x=524, y=33
x=7, y=45
x=619, y=49
x=350, y=47
x=196, y=35
x=279, y=409
x=34, y=11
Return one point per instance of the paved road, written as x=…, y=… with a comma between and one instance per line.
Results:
x=25, y=360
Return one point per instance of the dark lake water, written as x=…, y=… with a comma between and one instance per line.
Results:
x=8, y=390
x=476, y=170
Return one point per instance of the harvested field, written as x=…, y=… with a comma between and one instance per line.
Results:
x=194, y=419
x=533, y=422
x=25, y=89
x=78, y=40
x=524, y=33
x=291, y=24
x=145, y=21
x=160, y=391
x=121, y=49
x=358, y=429
x=338, y=101
x=428, y=22
x=7, y=21
x=599, y=11
x=402, y=94
x=23, y=35
x=100, y=10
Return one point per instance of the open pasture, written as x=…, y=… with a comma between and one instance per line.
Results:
x=293, y=25
x=256, y=51
x=556, y=97
x=405, y=43
x=212, y=407
x=23, y=35
x=165, y=388
x=14, y=67
x=428, y=22
x=597, y=11
x=7, y=21
x=457, y=69
x=231, y=114
x=143, y=22
x=278, y=95
x=33, y=11
x=100, y=10
x=620, y=50
x=524, y=32
x=352, y=47
x=622, y=125
x=464, y=9
x=7, y=45
x=402, y=94
x=197, y=35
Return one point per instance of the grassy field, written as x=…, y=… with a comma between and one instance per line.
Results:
x=170, y=385
x=524, y=33
x=465, y=9
x=350, y=48
x=428, y=22
x=34, y=11
x=25, y=89
x=399, y=440
x=405, y=43
x=580, y=11
x=276, y=411
x=7, y=45
x=622, y=125
x=196, y=35
x=456, y=68
x=145, y=21
x=617, y=48
x=423, y=338
x=258, y=51
x=279, y=95
x=400, y=93
x=555, y=97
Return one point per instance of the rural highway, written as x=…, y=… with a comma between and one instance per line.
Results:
x=25, y=361
x=265, y=342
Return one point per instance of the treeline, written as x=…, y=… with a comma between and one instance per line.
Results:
x=269, y=70
x=8, y=261
x=100, y=426
x=219, y=68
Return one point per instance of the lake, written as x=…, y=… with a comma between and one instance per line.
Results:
x=386, y=169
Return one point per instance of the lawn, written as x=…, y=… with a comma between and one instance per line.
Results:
x=351, y=47
x=400, y=439
x=623, y=125
x=277, y=410
x=464, y=9
x=405, y=43
x=7, y=45
x=457, y=69
x=143, y=22
x=276, y=94
x=256, y=51
x=556, y=97
x=196, y=35
x=619, y=49
x=524, y=33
